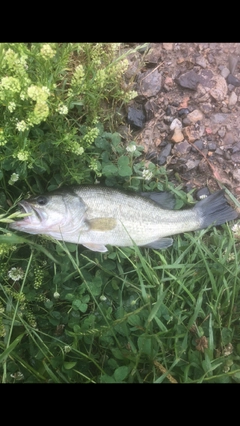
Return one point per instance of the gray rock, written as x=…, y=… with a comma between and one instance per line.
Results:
x=232, y=100
x=222, y=131
x=236, y=147
x=165, y=152
x=189, y=80
x=212, y=146
x=199, y=144
x=233, y=80
x=149, y=83
x=136, y=117
x=206, y=107
x=182, y=148
x=232, y=61
x=225, y=72
x=219, y=151
x=219, y=118
x=195, y=116
x=175, y=124
x=201, y=61
x=236, y=157
x=192, y=164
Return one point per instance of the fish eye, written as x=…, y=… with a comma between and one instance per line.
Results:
x=41, y=200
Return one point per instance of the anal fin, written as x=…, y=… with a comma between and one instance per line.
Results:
x=95, y=247
x=160, y=244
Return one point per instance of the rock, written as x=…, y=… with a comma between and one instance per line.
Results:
x=229, y=139
x=232, y=61
x=192, y=164
x=189, y=80
x=222, y=131
x=233, y=80
x=182, y=148
x=136, y=117
x=225, y=72
x=203, y=166
x=165, y=152
x=202, y=193
x=219, y=151
x=149, y=83
x=153, y=56
x=183, y=112
x=201, y=61
x=151, y=109
x=169, y=81
x=236, y=157
x=191, y=134
x=168, y=111
x=219, y=118
x=206, y=107
x=177, y=135
x=212, y=146
x=211, y=59
x=186, y=122
x=232, y=100
x=219, y=92
x=175, y=124
x=236, y=147
x=167, y=46
x=199, y=144
x=195, y=116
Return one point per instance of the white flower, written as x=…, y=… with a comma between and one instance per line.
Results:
x=131, y=148
x=47, y=52
x=147, y=174
x=11, y=106
x=62, y=109
x=56, y=295
x=21, y=126
x=16, y=274
x=14, y=177
x=236, y=228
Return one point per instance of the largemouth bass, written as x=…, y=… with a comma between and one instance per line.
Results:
x=96, y=217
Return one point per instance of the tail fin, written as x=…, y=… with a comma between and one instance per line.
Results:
x=215, y=210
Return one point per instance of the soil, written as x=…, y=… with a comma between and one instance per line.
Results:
x=186, y=114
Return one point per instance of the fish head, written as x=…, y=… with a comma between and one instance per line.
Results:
x=54, y=214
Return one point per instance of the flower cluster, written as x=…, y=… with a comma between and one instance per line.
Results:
x=16, y=274
x=62, y=109
x=11, y=106
x=13, y=178
x=131, y=148
x=38, y=277
x=91, y=135
x=23, y=155
x=37, y=93
x=21, y=126
x=147, y=174
x=47, y=52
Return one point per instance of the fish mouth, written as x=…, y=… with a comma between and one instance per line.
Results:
x=35, y=217
x=34, y=213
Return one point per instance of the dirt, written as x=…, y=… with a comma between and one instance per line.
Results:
x=187, y=111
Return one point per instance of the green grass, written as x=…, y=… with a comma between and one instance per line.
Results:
x=129, y=316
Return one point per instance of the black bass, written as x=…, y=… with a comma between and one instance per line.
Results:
x=95, y=217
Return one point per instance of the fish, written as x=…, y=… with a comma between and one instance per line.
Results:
x=97, y=216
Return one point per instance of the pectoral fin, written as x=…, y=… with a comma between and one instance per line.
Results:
x=102, y=223
x=96, y=247
x=160, y=244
